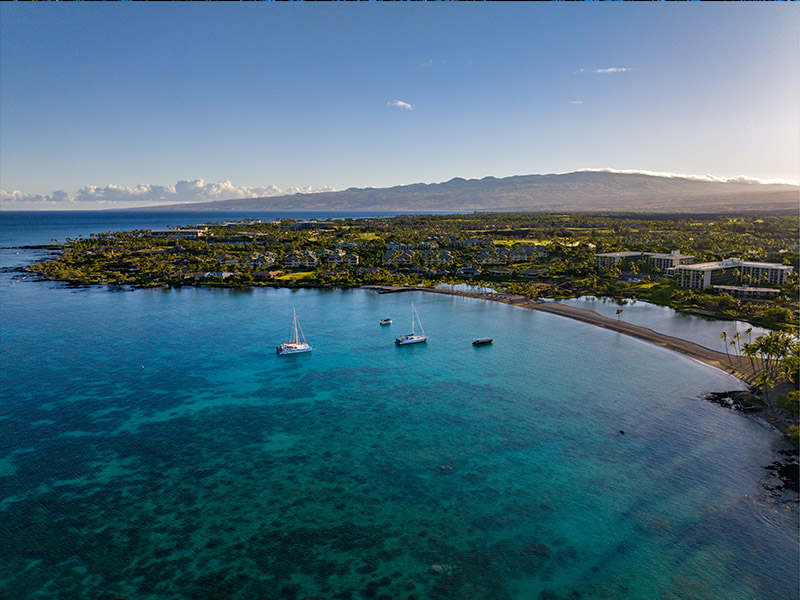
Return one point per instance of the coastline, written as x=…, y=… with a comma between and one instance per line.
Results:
x=738, y=366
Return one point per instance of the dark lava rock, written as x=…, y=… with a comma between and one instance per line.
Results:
x=742, y=401
x=788, y=471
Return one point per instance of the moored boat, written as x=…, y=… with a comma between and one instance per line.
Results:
x=413, y=337
x=482, y=341
x=386, y=321
x=295, y=346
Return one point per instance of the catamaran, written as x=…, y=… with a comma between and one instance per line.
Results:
x=413, y=337
x=295, y=346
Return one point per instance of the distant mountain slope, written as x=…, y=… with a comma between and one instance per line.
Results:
x=577, y=191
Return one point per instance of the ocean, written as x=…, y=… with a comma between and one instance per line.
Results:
x=154, y=446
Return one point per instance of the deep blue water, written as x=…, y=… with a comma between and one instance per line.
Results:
x=153, y=446
x=19, y=228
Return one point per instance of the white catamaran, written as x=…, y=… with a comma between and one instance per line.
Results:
x=413, y=337
x=295, y=346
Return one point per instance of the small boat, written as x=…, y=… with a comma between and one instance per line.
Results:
x=482, y=341
x=386, y=321
x=295, y=346
x=413, y=337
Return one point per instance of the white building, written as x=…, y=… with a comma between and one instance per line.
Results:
x=729, y=272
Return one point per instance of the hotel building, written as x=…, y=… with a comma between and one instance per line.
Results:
x=729, y=272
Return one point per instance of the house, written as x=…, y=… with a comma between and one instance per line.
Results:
x=500, y=272
x=440, y=257
x=468, y=271
x=300, y=259
x=260, y=260
x=534, y=273
x=228, y=260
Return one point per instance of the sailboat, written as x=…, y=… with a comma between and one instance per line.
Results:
x=413, y=337
x=295, y=346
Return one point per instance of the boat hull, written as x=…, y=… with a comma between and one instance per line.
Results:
x=290, y=348
x=482, y=341
x=410, y=339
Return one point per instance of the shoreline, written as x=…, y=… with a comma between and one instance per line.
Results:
x=738, y=366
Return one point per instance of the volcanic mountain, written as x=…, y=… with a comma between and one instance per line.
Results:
x=563, y=192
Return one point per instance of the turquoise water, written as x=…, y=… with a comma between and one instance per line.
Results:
x=154, y=446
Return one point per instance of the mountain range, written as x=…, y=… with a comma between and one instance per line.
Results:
x=564, y=192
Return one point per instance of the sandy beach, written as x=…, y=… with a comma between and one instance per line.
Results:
x=738, y=366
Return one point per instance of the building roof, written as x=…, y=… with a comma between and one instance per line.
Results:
x=620, y=254
x=734, y=262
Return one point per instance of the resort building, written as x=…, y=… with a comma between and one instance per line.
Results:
x=607, y=260
x=300, y=259
x=657, y=260
x=729, y=272
x=745, y=291
x=662, y=262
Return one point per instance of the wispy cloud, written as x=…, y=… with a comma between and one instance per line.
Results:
x=427, y=63
x=401, y=104
x=185, y=191
x=576, y=101
x=606, y=70
x=712, y=178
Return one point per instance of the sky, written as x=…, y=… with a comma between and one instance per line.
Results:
x=133, y=104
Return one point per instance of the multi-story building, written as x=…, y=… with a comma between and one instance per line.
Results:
x=300, y=259
x=662, y=262
x=729, y=272
x=607, y=260
x=657, y=260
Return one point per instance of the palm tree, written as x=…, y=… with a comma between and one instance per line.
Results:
x=619, y=313
x=736, y=342
x=724, y=337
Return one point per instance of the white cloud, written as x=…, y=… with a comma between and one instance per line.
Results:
x=712, y=178
x=576, y=102
x=185, y=191
x=606, y=70
x=427, y=63
x=401, y=104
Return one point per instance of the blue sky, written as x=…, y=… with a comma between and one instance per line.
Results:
x=212, y=100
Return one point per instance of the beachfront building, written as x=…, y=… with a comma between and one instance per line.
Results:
x=300, y=259
x=745, y=291
x=730, y=271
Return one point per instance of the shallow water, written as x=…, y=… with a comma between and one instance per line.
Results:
x=154, y=446
x=705, y=332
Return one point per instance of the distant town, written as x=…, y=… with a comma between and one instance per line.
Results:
x=727, y=267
